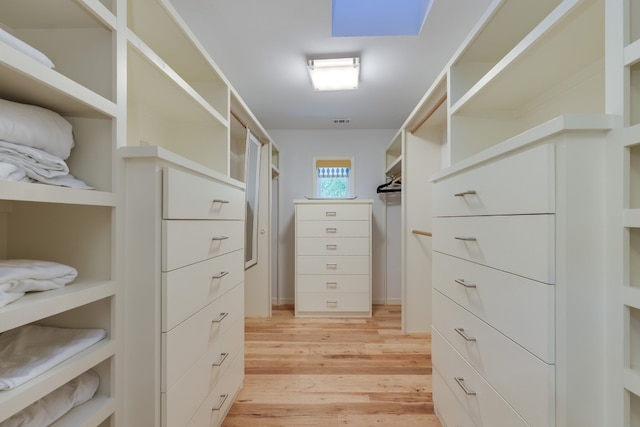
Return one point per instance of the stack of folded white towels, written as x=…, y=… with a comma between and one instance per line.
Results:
x=34, y=144
x=18, y=276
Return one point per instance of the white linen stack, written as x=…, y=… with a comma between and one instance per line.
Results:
x=18, y=276
x=30, y=350
x=37, y=141
x=50, y=408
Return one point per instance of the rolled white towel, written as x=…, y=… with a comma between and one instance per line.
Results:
x=30, y=350
x=35, y=127
x=35, y=162
x=51, y=407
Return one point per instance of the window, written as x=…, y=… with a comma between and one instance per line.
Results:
x=333, y=178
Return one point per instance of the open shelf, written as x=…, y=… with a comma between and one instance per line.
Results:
x=523, y=90
x=158, y=24
x=394, y=156
x=634, y=20
x=634, y=94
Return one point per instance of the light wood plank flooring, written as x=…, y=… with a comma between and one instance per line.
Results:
x=334, y=372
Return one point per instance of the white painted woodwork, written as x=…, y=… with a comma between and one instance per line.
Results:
x=485, y=407
x=521, y=308
x=333, y=243
x=447, y=407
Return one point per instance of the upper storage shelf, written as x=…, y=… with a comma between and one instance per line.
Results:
x=394, y=156
x=547, y=73
x=158, y=25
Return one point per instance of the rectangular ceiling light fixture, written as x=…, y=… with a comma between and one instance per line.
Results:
x=334, y=74
x=352, y=18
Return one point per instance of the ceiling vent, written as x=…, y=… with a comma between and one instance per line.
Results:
x=341, y=121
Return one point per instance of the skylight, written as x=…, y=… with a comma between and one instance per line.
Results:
x=352, y=18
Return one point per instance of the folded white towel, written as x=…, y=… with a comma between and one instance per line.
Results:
x=9, y=297
x=25, y=275
x=9, y=172
x=35, y=162
x=67, y=180
x=50, y=408
x=35, y=127
x=25, y=48
x=30, y=350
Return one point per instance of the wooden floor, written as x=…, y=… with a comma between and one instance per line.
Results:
x=334, y=372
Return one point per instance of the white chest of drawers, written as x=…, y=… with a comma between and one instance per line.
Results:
x=185, y=295
x=333, y=258
x=518, y=284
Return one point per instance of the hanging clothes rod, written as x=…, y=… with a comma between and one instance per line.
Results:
x=429, y=114
x=422, y=233
x=244, y=125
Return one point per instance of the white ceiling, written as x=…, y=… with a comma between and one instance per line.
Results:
x=262, y=47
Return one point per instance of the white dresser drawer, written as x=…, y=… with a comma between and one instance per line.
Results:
x=212, y=411
x=520, y=308
x=188, y=289
x=180, y=402
x=333, y=283
x=484, y=190
x=332, y=246
x=188, y=196
x=190, y=241
x=325, y=211
x=519, y=244
x=522, y=379
x=333, y=302
x=185, y=343
x=356, y=264
x=449, y=410
x=333, y=228
x=485, y=407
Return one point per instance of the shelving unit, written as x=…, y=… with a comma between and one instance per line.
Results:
x=70, y=226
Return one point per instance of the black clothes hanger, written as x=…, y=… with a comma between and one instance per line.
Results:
x=393, y=186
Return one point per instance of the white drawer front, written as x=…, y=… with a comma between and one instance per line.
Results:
x=187, y=242
x=332, y=265
x=520, y=184
x=485, y=406
x=187, y=196
x=447, y=407
x=333, y=302
x=332, y=229
x=332, y=246
x=333, y=283
x=181, y=401
x=184, y=344
x=519, y=244
x=188, y=289
x=520, y=308
x=522, y=379
x=334, y=211
x=215, y=407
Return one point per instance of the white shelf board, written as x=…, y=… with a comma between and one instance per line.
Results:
x=25, y=80
x=631, y=381
x=631, y=218
x=89, y=414
x=630, y=136
x=632, y=53
x=38, y=305
x=631, y=297
x=36, y=192
x=394, y=168
x=19, y=14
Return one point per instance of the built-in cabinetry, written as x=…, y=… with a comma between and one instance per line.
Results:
x=184, y=358
x=75, y=227
x=333, y=258
x=623, y=190
x=518, y=219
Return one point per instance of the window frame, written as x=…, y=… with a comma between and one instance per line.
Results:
x=350, y=188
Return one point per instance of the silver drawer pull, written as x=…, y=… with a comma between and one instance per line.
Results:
x=220, y=201
x=463, y=334
x=221, y=275
x=330, y=214
x=332, y=247
x=220, y=238
x=465, y=238
x=460, y=382
x=223, y=397
x=332, y=303
x=465, y=284
x=221, y=318
x=332, y=266
x=331, y=230
x=220, y=361
x=332, y=285
x=466, y=193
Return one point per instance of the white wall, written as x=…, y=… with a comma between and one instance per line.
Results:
x=297, y=150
